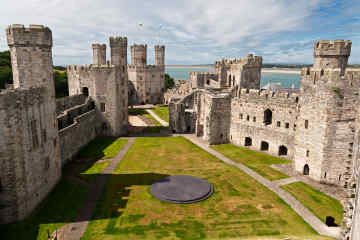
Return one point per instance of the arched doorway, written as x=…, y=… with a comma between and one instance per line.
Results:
x=267, y=116
x=248, y=141
x=306, y=170
x=283, y=150
x=264, y=146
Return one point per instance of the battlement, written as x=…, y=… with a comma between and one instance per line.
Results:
x=250, y=60
x=268, y=95
x=34, y=35
x=91, y=67
x=139, y=46
x=202, y=73
x=118, y=41
x=159, y=48
x=98, y=46
x=332, y=48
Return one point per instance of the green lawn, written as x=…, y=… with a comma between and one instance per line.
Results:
x=317, y=202
x=162, y=112
x=257, y=161
x=240, y=207
x=63, y=203
x=59, y=208
x=102, y=148
x=152, y=129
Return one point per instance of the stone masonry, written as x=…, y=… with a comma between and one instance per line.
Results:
x=146, y=82
x=314, y=127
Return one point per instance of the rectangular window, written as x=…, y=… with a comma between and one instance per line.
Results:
x=247, y=117
x=44, y=136
x=306, y=123
x=102, y=107
x=286, y=125
x=278, y=123
x=254, y=119
x=307, y=153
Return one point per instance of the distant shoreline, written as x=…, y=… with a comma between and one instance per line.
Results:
x=265, y=70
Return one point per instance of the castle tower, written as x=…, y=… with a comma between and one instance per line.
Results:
x=31, y=56
x=329, y=54
x=159, y=55
x=139, y=54
x=30, y=160
x=325, y=126
x=99, y=54
x=118, y=51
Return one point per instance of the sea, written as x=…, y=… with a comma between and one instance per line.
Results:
x=286, y=80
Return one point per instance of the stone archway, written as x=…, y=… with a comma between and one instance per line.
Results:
x=264, y=146
x=248, y=141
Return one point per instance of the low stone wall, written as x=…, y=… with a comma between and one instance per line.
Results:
x=77, y=135
x=69, y=102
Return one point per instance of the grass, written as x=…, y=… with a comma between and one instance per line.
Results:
x=162, y=112
x=59, y=208
x=240, y=207
x=102, y=148
x=257, y=161
x=142, y=112
x=317, y=202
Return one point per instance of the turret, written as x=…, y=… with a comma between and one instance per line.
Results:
x=329, y=54
x=138, y=54
x=118, y=51
x=99, y=54
x=31, y=56
x=159, y=55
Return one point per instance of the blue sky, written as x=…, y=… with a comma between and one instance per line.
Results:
x=194, y=31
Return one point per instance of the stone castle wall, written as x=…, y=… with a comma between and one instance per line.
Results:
x=84, y=128
x=29, y=151
x=107, y=86
x=248, y=127
x=69, y=102
x=146, y=82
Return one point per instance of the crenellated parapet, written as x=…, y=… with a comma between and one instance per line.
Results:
x=118, y=41
x=332, y=48
x=250, y=61
x=328, y=54
x=263, y=96
x=34, y=35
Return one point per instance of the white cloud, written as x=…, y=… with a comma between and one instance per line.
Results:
x=196, y=31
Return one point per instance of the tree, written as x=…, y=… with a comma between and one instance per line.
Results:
x=5, y=69
x=169, y=81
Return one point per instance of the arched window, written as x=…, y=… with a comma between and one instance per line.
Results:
x=85, y=91
x=233, y=80
x=267, y=116
x=283, y=150
x=248, y=141
x=306, y=170
x=208, y=82
x=264, y=146
x=230, y=80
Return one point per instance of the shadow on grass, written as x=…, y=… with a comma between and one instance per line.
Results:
x=63, y=204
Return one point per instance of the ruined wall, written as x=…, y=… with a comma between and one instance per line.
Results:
x=248, y=120
x=30, y=160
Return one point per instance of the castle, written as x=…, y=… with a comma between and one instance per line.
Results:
x=146, y=82
x=318, y=128
x=40, y=133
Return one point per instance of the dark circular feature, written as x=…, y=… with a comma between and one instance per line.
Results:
x=181, y=189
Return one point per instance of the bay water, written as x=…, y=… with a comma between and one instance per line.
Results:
x=286, y=80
